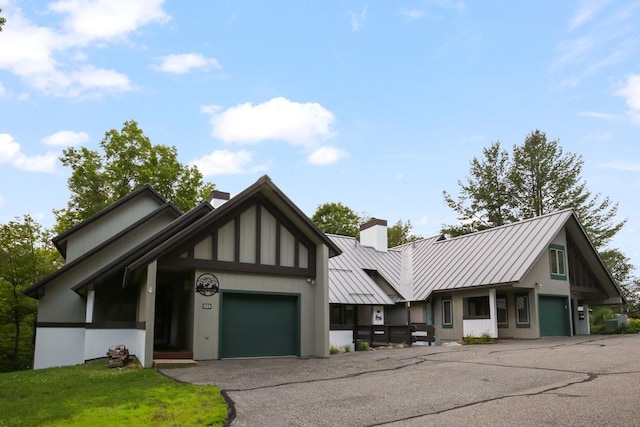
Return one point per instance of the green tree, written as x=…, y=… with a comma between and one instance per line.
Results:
x=400, y=233
x=129, y=160
x=536, y=179
x=484, y=199
x=2, y=20
x=26, y=256
x=336, y=218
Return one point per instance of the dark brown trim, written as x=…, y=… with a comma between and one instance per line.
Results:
x=219, y=195
x=372, y=222
x=116, y=325
x=258, y=233
x=236, y=238
x=238, y=267
x=60, y=324
x=98, y=325
x=278, y=244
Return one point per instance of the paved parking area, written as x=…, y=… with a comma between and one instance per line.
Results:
x=574, y=381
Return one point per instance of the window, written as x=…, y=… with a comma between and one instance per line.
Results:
x=502, y=312
x=477, y=308
x=447, y=313
x=522, y=311
x=558, y=265
x=342, y=315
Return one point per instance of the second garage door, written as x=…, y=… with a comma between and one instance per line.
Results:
x=554, y=316
x=259, y=324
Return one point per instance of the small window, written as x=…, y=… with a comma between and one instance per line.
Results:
x=447, y=313
x=522, y=311
x=502, y=312
x=341, y=315
x=558, y=264
x=477, y=308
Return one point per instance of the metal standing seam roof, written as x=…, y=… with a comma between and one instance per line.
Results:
x=348, y=281
x=499, y=255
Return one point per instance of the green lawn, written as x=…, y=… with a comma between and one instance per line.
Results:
x=94, y=395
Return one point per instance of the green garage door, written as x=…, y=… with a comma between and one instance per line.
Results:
x=554, y=316
x=255, y=325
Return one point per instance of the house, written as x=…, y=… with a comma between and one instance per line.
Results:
x=234, y=277
x=529, y=279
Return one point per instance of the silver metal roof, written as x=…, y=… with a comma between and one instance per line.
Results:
x=498, y=255
x=501, y=255
x=348, y=281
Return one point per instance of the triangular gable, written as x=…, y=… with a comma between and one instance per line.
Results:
x=122, y=241
x=101, y=217
x=263, y=195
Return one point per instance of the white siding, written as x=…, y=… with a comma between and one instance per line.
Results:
x=58, y=347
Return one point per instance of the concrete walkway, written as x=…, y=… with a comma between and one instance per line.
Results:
x=574, y=381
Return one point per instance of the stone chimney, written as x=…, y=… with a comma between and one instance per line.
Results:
x=373, y=233
x=218, y=198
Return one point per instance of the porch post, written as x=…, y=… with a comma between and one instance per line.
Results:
x=91, y=297
x=149, y=302
x=493, y=312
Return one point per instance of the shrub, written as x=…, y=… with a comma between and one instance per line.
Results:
x=363, y=346
x=468, y=339
x=486, y=337
x=600, y=315
x=333, y=349
x=633, y=326
x=347, y=348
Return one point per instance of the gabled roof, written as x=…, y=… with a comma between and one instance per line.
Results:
x=262, y=187
x=60, y=241
x=168, y=207
x=349, y=283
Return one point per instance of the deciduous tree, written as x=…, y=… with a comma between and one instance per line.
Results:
x=401, y=233
x=128, y=161
x=26, y=256
x=336, y=218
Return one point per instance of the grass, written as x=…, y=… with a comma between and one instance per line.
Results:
x=94, y=395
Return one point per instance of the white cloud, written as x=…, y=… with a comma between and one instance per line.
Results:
x=357, y=19
x=66, y=138
x=90, y=20
x=411, y=14
x=276, y=119
x=596, y=115
x=2, y=90
x=623, y=166
x=588, y=10
x=185, y=63
x=225, y=162
x=48, y=59
x=326, y=155
x=11, y=153
x=630, y=91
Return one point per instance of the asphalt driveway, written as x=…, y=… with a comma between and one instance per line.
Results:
x=574, y=381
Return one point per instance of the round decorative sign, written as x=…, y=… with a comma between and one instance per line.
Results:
x=207, y=284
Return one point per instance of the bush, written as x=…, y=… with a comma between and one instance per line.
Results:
x=363, y=346
x=333, y=349
x=347, y=348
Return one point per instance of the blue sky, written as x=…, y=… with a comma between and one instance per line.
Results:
x=378, y=105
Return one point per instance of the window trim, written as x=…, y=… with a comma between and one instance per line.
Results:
x=561, y=273
x=449, y=310
x=504, y=324
x=520, y=324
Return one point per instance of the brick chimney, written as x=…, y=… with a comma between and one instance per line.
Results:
x=373, y=233
x=218, y=198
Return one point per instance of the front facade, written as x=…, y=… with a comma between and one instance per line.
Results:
x=530, y=279
x=248, y=278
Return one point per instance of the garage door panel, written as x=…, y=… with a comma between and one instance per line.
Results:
x=554, y=316
x=254, y=325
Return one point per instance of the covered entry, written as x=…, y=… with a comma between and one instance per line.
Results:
x=554, y=316
x=259, y=324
